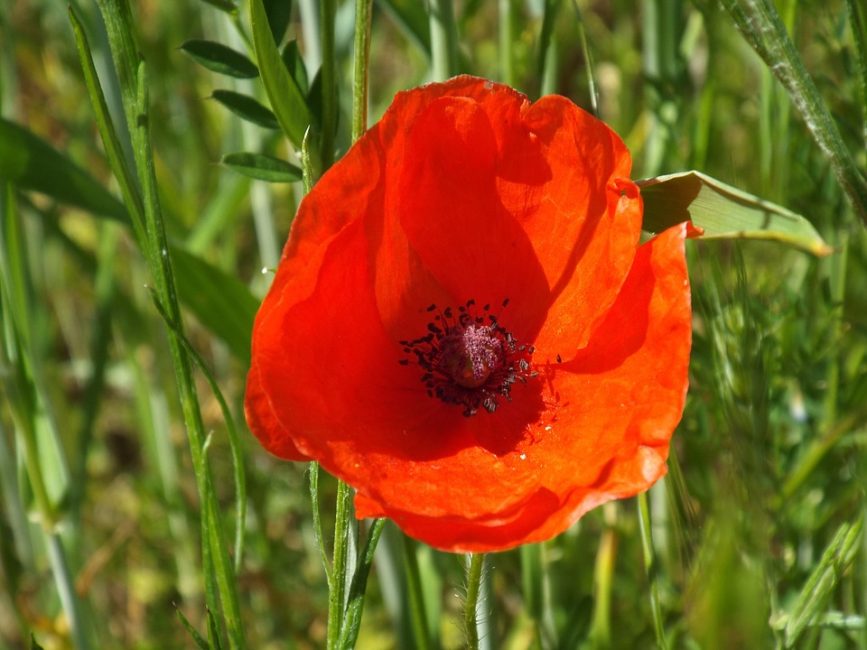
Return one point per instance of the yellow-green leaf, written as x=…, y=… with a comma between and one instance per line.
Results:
x=721, y=211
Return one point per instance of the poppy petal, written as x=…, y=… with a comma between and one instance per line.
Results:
x=464, y=190
x=617, y=405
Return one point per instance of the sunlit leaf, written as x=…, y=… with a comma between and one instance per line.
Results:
x=720, y=211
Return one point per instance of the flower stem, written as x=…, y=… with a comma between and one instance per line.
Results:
x=650, y=568
x=363, y=15
x=313, y=473
x=475, y=562
x=337, y=591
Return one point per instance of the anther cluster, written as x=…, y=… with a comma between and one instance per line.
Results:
x=469, y=358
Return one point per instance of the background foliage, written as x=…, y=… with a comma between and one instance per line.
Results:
x=756, y=529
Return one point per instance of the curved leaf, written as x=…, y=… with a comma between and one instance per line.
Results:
x=720, y=211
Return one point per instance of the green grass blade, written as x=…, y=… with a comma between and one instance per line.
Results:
x=198, y=639
x=650, y=567
x=761, y=25
x=546, y=61
x=108, y=133
x=419, y=625
x=355, y=604
x=231, y=429
x=286, y=98
x=858, y=22
x=134, y=86
x=723, y=212
x=33, y=164
x=443, y=38
x=837, y=557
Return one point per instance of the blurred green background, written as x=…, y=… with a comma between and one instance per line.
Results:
x=757, y=527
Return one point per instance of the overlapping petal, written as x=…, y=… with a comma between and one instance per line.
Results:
x=465, y=190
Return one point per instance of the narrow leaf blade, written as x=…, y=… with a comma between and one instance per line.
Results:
x=286, y=98
x=263, y=167
x=220, y=59
x=720, y=211
x=32, y=164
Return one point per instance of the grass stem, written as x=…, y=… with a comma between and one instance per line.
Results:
x=644, y=526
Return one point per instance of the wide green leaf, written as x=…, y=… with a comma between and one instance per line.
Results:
x=32, y=164
x=221, y=59
x=286, y=98
x=720, y=211
x=246, y=108
x=263, y=167
x=220, y=301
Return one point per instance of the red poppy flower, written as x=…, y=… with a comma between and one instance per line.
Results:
x=464, y=327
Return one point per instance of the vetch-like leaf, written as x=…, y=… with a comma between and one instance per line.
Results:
x=221, y=59
x=32, y=164
x=263, y=167
x=247, y=108
x=720, y=211
x=286, y=98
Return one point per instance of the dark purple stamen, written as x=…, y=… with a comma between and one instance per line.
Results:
x=470, y=360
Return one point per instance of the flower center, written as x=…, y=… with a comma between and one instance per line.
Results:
x=469, y=355
x=469, y=358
